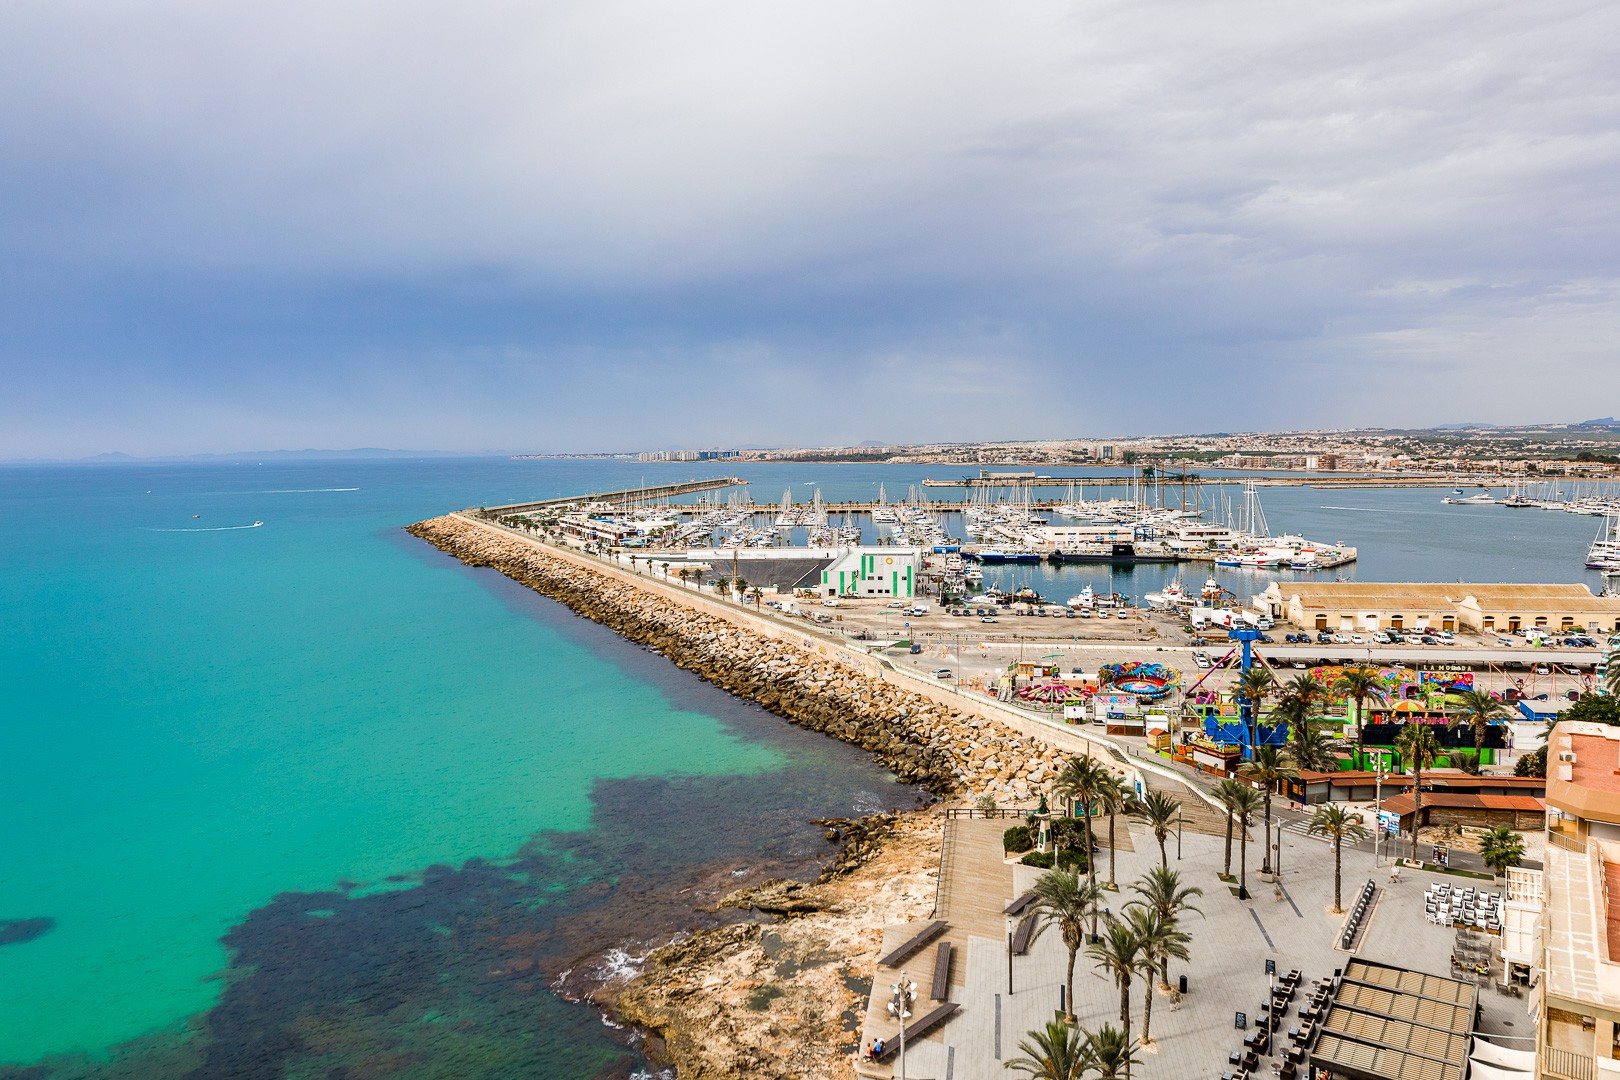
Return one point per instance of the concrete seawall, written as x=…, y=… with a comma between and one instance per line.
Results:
x=924, y=734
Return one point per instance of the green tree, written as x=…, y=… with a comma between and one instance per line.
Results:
x=1118, y=954
x=1360, y=684
x=1118, y=798
x=1084, y=781
x=1161, y=812
x=1338, y=825
x=1158, y=941
x=1269, y=765
x=1229, y=791
x=1253, y=687
x=1162, y=891
x=1479, y=711
x=1595, y=709
x=1056, y=1052
x=1501, y=848
x=1245, y=801
x=1063, y=900
x=1111, y=1052
x=1419, y=747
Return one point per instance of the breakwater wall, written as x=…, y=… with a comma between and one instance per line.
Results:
x=926, y=741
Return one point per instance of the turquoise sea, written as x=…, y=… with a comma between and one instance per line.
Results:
x=313, y=796
x=312, y=799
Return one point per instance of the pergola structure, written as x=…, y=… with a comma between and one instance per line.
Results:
x=1390, y=1023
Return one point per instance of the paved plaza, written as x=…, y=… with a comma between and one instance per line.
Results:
x=1288, y=922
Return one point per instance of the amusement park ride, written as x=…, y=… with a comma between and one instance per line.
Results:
x=1243, y=730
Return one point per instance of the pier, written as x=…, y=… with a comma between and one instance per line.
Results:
x=1169, y=479
x=626, y=498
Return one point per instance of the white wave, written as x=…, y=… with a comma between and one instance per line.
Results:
x=219, y=528
x=618, y=964
x=1381, y=510
x=866, y=802
x=297, y=491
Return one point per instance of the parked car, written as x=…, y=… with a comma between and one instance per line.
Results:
x=1357, y=639
x=1429, y=639
x=915, y=649
x=1340, y=639
x=989, y=619
x=1381, y=639
x=1201, y=659
x=1324, y=638
x=943, y=673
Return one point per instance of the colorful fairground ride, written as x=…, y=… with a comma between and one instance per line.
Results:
x=1147, y=682
x=1229, y=719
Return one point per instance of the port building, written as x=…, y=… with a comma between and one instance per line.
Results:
x=1345, y=606
x=873, y=571
x=1577, y=1000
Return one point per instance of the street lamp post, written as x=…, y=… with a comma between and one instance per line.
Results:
x=903, y=996
x=1378, y=816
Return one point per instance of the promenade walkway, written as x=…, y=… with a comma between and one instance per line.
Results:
x=1288, y=922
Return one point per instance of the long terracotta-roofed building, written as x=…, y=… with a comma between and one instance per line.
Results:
x=1501, y=608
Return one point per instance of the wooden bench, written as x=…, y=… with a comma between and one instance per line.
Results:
x=913, y=945
x=891, y=1046
x=1024, y=934
x=1018, y=906
x=942, y=972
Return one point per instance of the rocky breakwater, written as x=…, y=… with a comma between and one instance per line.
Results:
x=922, y=741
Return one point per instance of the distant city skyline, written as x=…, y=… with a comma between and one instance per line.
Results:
x=598, y=227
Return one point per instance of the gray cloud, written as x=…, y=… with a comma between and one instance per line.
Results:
x=1263, y=208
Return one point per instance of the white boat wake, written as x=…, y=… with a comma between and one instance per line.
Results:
x=217, y=528
x=297, y=491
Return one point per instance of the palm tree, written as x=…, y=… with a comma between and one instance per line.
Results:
x=1157, y=940
x=1612, y=678
x=1118, y=954
x=1253, y=686
x=1300, y=696
x=1338, y=825
x=1269, y=765
x=1084, y=781
x=1111, y=1052
x=755, y=594
x=1479, y=710
x=1160, y=811
x=1501, y=848
x=1117, y=798
x=1162, y=891
x=1419, y=746
x=1059, y=1051
x=1358, y=684
x=1227, y=794
x=1245, y=801
x=1065, y=901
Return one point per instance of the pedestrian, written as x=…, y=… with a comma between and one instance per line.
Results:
x=1394, y=874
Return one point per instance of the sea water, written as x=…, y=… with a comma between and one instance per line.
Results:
x=310, y=795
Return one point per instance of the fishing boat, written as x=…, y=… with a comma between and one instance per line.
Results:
x=1173, y=595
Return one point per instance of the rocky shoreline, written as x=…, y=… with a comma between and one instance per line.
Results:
x=782, y=998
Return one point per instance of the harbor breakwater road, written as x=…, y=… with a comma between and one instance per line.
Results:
x=949, y=751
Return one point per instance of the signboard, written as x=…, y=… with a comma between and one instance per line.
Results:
x=1214, y=761
x=1389, y=821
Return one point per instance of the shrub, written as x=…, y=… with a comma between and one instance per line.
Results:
x=1041, y=859
x=1017, y=838
x=1532, y=764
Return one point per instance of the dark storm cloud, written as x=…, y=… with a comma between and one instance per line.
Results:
x=487, y=225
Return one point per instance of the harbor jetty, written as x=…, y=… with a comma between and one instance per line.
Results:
x=949, y=747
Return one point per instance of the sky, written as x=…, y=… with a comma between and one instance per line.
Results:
x=615, y=225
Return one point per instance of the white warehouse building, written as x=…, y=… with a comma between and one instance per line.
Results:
x=873, y=571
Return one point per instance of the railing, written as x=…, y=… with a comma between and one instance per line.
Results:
x=1568, y=843
x=947, y=852
x=977, y=811
x=1566, y=1063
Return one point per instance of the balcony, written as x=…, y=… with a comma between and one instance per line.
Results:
x=1566, y=1064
